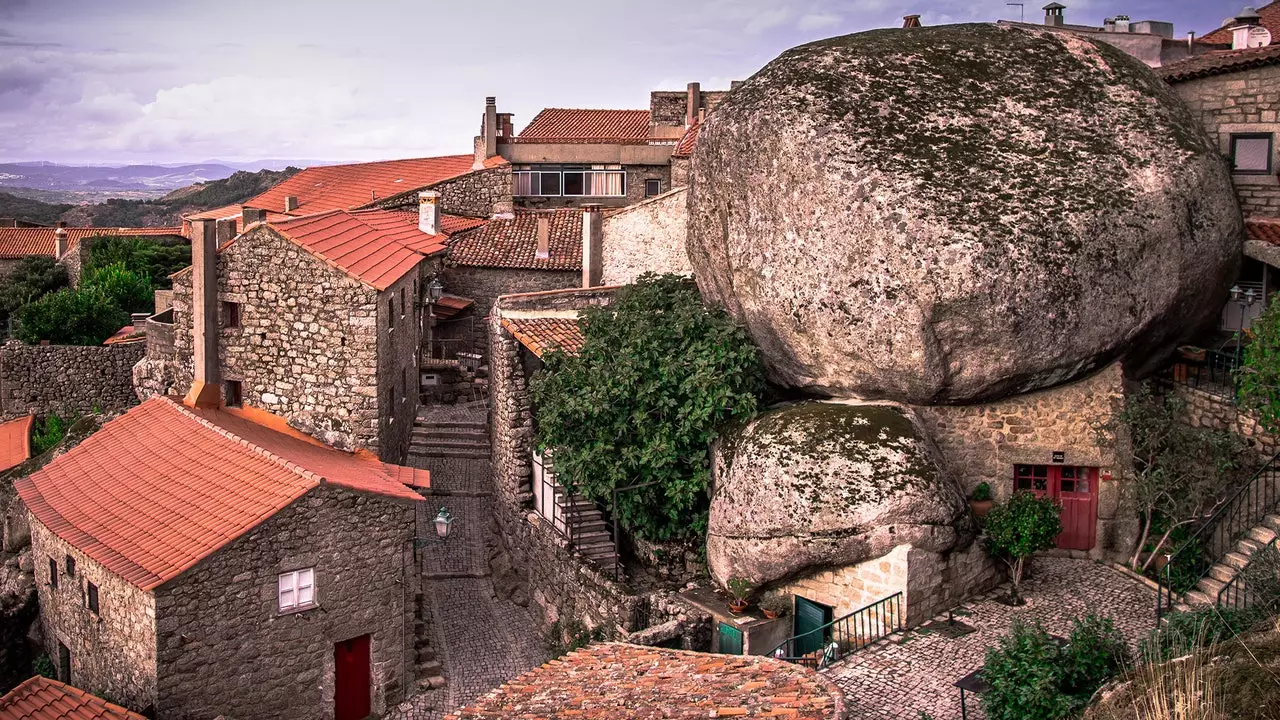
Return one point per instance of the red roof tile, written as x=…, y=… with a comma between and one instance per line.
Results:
x=1218, y=62
x=15, y=442
x=1267, y=231
x=450, y=305
x=347, y=187
x=632, y=682
x=40, y=698
x=566, y=125
x=161, y=487
x=126, y=334
x=20, y=242
x=1270, y=19
x=543, y=334
x=688, y=142
x=513, y=242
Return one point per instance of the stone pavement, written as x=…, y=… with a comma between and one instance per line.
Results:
x=914, y=672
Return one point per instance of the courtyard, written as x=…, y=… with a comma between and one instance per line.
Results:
x=915, y=672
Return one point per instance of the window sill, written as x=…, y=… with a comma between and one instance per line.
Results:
x=298, y=610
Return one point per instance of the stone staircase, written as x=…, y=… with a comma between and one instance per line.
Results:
x=427, y=667
x=1205, y=593
x=588, y=530
x=434, y=436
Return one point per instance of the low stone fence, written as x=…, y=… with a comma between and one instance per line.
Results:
x=42, y=379
x=1207, y=409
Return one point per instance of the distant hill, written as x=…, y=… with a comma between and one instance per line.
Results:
x=165, y=211
x=51, y=176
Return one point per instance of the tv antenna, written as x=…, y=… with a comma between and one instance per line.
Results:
x=1022, y=11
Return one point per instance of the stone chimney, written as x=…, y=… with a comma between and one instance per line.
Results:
x=249, y=216
x=205, y=391
x=290, y=203
x=429, y=212
x=60, y=242
x=592, y=245
x=544, y=235
x=490, y=127
x=1053, y=14
x=693, y=101
x=1121, y=23
x=226, y=230
x=910, y=21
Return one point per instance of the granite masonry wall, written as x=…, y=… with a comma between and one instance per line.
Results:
x=399, y=330
x=113, y=652
x=680, y=167
x=983, y=442
x=486, y=285
x=42, y=379
x=647, y=237
x=472, y=195
x=224, y=649
x=1246, y=101
x=1217, y=412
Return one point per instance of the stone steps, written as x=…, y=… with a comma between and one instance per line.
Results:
x=448, y=434
x=1229, y=565
x=422, y=453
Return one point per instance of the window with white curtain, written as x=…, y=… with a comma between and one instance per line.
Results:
x=569, y=181
x=297, y=589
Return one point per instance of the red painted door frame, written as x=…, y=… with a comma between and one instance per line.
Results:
x=352, y=679
x=1075, y=489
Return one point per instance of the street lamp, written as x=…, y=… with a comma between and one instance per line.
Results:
x=435, y=290
x=443, y=519
x=1243, y=300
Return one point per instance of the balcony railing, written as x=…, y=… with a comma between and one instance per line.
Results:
x=1213, y=373
x=822, y=646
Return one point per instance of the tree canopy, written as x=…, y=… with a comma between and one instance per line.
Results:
x=1258, y=379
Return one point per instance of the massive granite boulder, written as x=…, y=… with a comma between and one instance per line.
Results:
x=821, y=484
x=959, y=213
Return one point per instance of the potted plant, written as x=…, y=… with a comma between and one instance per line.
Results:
x=739, y=588
x=775, y=603
x=1192, y=353
x=980, y=501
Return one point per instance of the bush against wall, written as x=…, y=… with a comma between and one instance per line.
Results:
x=1258, y=378
x=71, y=317
x=141, y=256
x=657, y=374
x=1017, y=529
x=130, y=290
x=33, y=277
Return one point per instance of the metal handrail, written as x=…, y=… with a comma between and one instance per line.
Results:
x=1236, y=593
x=1232, y=518
x=844, y=635
x=1215, y=375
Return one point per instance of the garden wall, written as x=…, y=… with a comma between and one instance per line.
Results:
x=1219, y=412
x=42, y=379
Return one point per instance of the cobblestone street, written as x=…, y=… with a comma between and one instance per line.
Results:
x=915, y=672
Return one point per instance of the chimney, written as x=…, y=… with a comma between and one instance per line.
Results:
x=1122, y=23
x=429, y=212
x=1053, y=14
x=204, y=314
x=1191, y=42
x=60, y=243
x=249, y=216
x=544, y=235
x=693, y=101
x=1242, y=28
x=592, y=245
x=226, y=230
x=290, y=203
x=910, y=21
x=490, y=127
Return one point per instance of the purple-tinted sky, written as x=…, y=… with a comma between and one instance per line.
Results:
x=188, y=80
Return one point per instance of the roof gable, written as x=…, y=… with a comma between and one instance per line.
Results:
x=543, y=334
x=39, y=698
x=566, y=125
x=1219, y=62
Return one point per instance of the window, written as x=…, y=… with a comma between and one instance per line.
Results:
x=297, y=589
x=402, y=303
x=53, y=573
x=1034, y=478
x=64, y=663
x=570, y=181
x=71, y=566
x=1251, y=153
x=92, y=598
x=391, y=313
x=652, y=188
x=231, y=394
x=230, y=315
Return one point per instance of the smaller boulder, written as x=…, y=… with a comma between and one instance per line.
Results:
x=818, y=485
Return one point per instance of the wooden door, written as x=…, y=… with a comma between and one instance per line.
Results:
x=809, y=617
x=1076, y=490
x=352, y=679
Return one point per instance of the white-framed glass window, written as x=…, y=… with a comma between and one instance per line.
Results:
x=1251, y=153
x=569, y=181
x=297, y=589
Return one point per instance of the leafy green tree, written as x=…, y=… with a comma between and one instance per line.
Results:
x=658, y=373
x=1258, y=379
x=71, y=317
x=1015, y=530
x=142, y=256
x=131, y=291
x=33, y=277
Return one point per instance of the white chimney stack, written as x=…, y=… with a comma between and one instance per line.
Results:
x=543, y=251
x=60, y=242
x=429, y=212
x=1242, y=29
x=592, y=245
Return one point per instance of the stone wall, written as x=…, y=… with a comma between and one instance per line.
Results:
x=982, y=443
x=399, y=330
x=42, y=379
x=472, y=195
x=647, y=237
x=1246, y=101
x=1217, y=412
x=224, y=649
x=680, y=167
x=486, y=285
x=113, y=653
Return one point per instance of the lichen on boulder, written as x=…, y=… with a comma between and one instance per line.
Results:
x=820, y=484
x=960, y=213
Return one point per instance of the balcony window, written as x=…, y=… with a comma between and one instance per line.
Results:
x=1251, y=153
x=570, y=181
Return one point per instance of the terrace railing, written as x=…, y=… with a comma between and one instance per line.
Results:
x=1239, y=593
x=822, y=646
x=1214, y=374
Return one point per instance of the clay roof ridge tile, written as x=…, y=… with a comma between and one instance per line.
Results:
x=282, y=462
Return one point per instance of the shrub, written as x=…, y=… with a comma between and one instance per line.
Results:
x=32, y=278
x=1095, y=653
x=71, y=317
x=131, y=291
x=981, y=493
x=1258, y=379
x=657, y=374
x=49, y=431
x=776, y=601
x=43, y=667
x=142, y=256
x=739, y=588
x=1023, y=674
x=1016, y=529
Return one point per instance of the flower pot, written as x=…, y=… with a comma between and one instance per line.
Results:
x=771, y=614
x=737, y=606
x=980, y=508
x=1192, y=353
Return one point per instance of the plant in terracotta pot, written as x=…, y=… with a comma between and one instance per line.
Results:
x=980, y=501
x=775, y=603
x=739, y=588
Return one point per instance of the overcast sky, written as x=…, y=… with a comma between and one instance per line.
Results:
x=191, y=80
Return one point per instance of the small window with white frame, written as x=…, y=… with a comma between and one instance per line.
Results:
x=297, y=590
x=1251, y=153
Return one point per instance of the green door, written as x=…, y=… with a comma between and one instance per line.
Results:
x=730, y=642
x=809, y=617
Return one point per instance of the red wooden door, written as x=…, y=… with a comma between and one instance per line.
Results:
x=1075, y=489
x=352, y=679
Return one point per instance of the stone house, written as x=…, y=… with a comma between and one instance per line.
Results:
x=647, y=237
x=40, y=698
x=318, y=319
x=65, y=244
x=235, y=568
x=1150, y=41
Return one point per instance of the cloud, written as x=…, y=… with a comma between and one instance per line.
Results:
x=767, y=20
x=818, y=21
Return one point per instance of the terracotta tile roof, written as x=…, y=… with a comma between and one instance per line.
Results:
x=567, y=125
x=513, y=242
x=125, y=335
x=1270, y=19
x=1218, y=62
x=348, y=187
x=688, y=142
x=1267, y=231
x=450, y=305
x=230, y=211
x=631, y=682
x=40, y=698
x=20, y=242
x=161, y=487
x=541, y=334
x=15, y=442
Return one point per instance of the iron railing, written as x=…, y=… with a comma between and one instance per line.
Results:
x=1215, y=536
x=553, y=501
x=1215, y=374
x=822, y=646
x=1238, y=593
